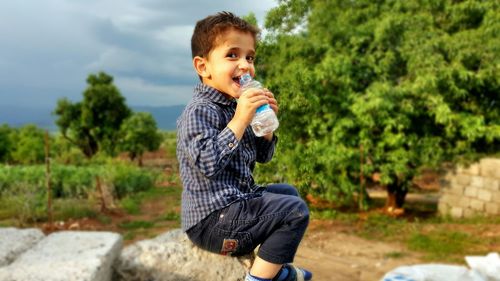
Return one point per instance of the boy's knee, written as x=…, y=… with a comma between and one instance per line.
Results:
x=302, y=211
x=292, y=190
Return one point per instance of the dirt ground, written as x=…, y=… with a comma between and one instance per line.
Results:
x=329, y=250
x=334, y=255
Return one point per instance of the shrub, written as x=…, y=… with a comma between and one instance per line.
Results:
x=75, y=181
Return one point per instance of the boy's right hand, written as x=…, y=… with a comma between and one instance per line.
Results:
x=248, y=103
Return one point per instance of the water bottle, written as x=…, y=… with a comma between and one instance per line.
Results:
x=264, y=120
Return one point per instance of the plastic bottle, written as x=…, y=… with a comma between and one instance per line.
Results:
x=264, y=120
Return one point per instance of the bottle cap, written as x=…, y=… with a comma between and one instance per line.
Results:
x=245, y=78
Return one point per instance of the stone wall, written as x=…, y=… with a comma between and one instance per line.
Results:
x=473, y=190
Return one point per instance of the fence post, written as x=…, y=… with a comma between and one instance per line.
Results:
x=47, y=180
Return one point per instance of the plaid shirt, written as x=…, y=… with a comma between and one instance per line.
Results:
x=216, y=168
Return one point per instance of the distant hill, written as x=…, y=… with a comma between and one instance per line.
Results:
x=165, y=116
x=17, y=116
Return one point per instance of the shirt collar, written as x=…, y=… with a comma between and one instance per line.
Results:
x=207, y=92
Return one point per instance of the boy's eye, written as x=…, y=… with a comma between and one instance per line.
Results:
x=232, y=55
x=250, y=58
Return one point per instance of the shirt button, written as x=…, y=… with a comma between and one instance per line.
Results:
x=231, y=145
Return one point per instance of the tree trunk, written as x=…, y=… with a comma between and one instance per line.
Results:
x=396, y=195
x=140, y=160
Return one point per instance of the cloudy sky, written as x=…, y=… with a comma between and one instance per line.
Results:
x=48, y=48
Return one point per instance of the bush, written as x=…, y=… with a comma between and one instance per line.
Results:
x=23, y=203
x=75, y=181
x=129, y=179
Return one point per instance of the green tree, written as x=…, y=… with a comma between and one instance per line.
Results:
x=6, y=144
x=64, y=152
x=251, y=18
x=139, y=134
x=29, y=145
x=93, y=123
x=410, y=83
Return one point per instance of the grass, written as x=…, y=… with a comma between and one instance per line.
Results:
x=131, y=205
x=442, y=244
x=141, y=203
x=138, y=224
x=437, y=239
x=395, y=255
x=171, y=216
x=74, y=209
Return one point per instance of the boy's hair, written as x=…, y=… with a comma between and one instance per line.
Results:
x=208, y=30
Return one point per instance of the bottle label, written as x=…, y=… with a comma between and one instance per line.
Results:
x=263, y=108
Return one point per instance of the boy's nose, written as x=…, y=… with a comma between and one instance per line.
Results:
x=244, y=65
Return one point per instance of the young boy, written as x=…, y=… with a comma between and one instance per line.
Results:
x=223, y=210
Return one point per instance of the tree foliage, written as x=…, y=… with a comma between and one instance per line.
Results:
x=5, y=143
x=138, y=134
x=29, y=145
x=93, y=123
x=413, y=83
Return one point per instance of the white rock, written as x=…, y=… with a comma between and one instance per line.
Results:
x=172, y=257
x=68, y=255
x=14, y=242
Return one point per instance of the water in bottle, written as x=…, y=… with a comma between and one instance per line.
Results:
x=265, y=120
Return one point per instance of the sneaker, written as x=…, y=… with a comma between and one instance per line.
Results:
x=297, y=274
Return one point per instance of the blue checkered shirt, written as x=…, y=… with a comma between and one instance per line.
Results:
x=216, y=168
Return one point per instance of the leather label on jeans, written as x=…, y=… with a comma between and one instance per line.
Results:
x=229, y=246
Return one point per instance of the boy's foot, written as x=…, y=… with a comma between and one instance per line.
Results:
x=292, y=273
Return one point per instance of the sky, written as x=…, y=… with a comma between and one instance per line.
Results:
x=49, y=47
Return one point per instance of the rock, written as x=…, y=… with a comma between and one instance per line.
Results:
x=14, y=242
x=67, y=255
x=173, y=257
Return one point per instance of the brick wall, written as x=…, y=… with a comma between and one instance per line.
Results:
x=472, y=190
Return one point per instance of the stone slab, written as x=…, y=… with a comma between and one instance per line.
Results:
x=67, y=255
x=172, y=257
x=14, y=241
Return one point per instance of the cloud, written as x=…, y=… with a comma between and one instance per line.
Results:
x=49, y=47
x=141, y=92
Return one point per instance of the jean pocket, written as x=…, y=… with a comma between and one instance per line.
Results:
x=231, y=242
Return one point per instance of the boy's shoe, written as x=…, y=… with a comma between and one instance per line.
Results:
x=295, y=274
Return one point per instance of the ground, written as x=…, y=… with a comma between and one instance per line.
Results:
x=332, y=254
x=330, y=249
x=334, y=248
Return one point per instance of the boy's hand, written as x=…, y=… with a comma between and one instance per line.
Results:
x=272, y=101
x=247, y=105
x=274, y=105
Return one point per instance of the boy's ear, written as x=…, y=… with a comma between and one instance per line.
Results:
x=200, y=65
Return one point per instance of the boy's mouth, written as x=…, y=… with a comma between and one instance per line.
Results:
x=236, y=80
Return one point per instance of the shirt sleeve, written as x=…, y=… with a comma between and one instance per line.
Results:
x=208, y=147
x=265, y=149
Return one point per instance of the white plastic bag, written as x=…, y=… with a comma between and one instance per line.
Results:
x=489, y=266
x=433, y=272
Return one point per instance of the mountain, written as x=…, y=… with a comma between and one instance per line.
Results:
x=17, y=116
x=165, y=116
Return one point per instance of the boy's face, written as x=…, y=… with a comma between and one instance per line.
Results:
x=232, y=57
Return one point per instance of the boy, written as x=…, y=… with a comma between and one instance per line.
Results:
x=223, y=210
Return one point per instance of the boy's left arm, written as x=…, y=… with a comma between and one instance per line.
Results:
x=265, y=147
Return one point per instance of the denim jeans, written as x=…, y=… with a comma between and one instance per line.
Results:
x=276, y=221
